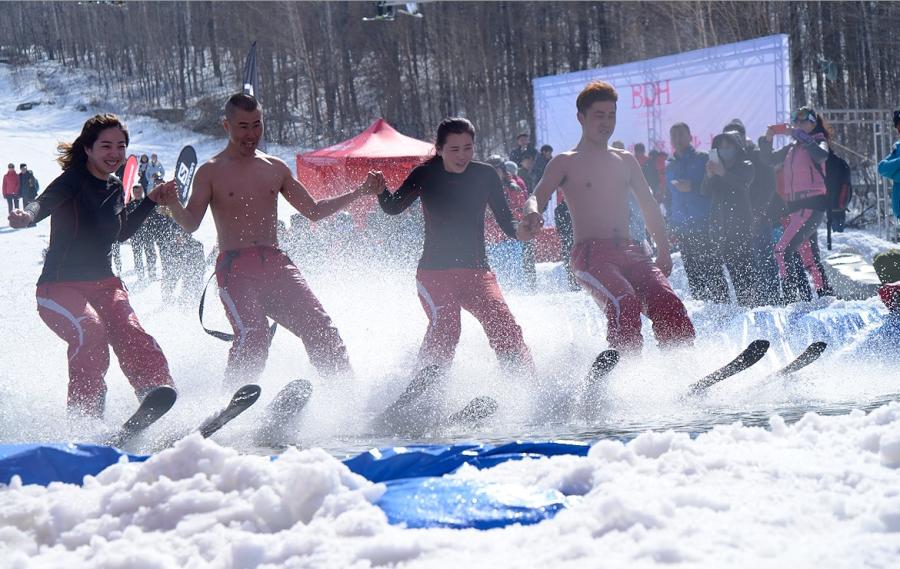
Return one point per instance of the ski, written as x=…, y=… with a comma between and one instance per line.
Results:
x=155, y=404
x=752, y=354
x=424, y=380
x=809, y=355
x=242, y=399
x=287, y=404
x=602, y=366
x=475, y=411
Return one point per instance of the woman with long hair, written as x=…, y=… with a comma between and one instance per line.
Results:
x=453, y=272
x=78, y=296
x=805, y=192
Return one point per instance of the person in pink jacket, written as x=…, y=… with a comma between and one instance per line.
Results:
x=805, y=193
x=11, y=188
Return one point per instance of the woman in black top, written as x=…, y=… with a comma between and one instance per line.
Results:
x=453, y=272
x=78, y=296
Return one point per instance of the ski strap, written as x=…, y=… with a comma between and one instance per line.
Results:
x=224, y=336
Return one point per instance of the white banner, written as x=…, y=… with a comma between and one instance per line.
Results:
x=706, y=89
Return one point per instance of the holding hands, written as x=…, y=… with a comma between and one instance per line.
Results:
x=374, y=183
x=530, y=226
x=19, y=218
x=165, y=194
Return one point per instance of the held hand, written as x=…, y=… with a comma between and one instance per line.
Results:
x=770, y=133
x=530, y=225
x=164, y=194
x=374, y=183
x=664, y=261
x=19, y=219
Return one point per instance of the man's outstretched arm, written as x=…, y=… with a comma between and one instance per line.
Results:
x=190, y=216
x=298, y=196
x=656, y=225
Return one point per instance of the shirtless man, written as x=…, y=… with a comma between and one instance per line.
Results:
x=606, y=260
x=257, y=280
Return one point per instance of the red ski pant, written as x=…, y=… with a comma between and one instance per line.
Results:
x=444, y=292
x=259, y=282
x=621, y=276
x=91, y=316
x=801, y=225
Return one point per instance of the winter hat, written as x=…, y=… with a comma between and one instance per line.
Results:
x=511, y=167
x=736, y=125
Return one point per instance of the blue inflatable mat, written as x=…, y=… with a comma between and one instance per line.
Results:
x=59, y=462
x=418, y=495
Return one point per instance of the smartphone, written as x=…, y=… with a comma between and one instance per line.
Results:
x=780, y=128
x=714, y=155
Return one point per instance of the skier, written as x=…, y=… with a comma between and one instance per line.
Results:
x=597, y=181
x=453, y=272
x=78, y=296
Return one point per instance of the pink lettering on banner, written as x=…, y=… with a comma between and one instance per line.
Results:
x=651, y=94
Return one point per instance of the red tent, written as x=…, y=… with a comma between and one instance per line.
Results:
x=335, y=170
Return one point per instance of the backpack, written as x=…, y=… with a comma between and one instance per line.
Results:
x=837, y=182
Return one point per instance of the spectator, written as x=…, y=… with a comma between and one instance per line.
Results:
x=504, y=253
x=640, y=154
x=540, y=163
x=142, y=244
x=523, y=145
x=689, y=218
x=805, y=191
x=143, y=180
x=655, y=173
x=528, y=262
x=182, y=259
x=526, y=171
x=727, y=182
x=11, y=188
x=761, y=192
x=565, y=231
x=28, y=185
x=890, y=167
x=155, y=170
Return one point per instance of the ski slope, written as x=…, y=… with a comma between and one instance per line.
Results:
x=804, y=481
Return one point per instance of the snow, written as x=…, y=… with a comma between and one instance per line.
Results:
x=782, y=487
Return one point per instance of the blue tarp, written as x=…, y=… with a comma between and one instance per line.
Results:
x=417, y=495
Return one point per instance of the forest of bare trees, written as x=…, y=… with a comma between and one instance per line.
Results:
x=325, y=73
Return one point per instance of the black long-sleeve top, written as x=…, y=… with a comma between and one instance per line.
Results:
x=87, y=215
x=453, y=206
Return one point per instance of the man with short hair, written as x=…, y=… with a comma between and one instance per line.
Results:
x=689, y=218
x=617, y=270
x=28, y=185
x=241, y=185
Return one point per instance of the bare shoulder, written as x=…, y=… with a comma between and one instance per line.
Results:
x=623, y=155
x=273, y=162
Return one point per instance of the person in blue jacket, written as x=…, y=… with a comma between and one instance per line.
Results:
x=689, y=218
x=890, y=166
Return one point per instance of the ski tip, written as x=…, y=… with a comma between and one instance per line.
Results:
x=249, y=392
x=606, y=358
x=488, y=405
x=162, y=397
x=758, y=346
x=817, y=347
